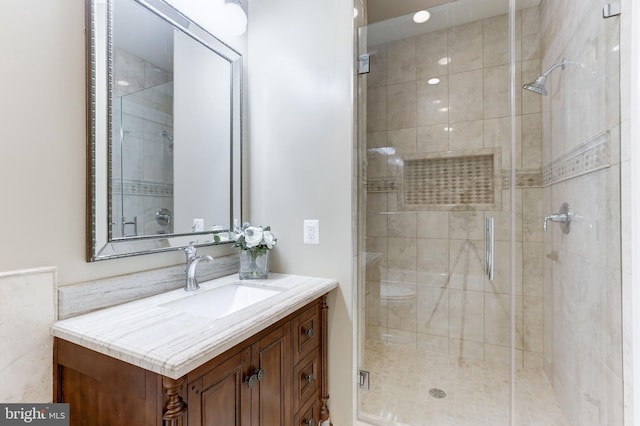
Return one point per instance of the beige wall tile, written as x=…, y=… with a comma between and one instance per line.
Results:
x=433, y=138
x=377, y=161
x=502, y=218
x=502, y=269
x=466, y=102
x=466, y=135
x=376, y=312
x=377, y=109
x=433, y=256
x=497, y=133
x=401, y=105
x=497, y=91
x=431, y=49
x=465, y=47
x=433, y=311
x=497, y=314
x=403, y=141
x=377, y=248
x=495, y=44
x=532, y=214
x=376, y=218
x=401, y=61
x=531, y=141
x=531, y=102
x=433, y=224
x=466, y=315
x=377, y=76
x=433, y=102
x=403, y=224
x=532, y=269
x=468, y=225
x=401, y=300
x=530, y=33
x=402, y=259
x=466, y=264
x=533, y=323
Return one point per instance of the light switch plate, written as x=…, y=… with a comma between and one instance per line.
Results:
x=198, y=225
x=311, y=231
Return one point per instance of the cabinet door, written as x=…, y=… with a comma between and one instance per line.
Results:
x=271, y=399
x=221, y=397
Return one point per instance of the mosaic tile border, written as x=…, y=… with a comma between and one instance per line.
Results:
x=525, y=178
x=591, y=155
x=141, y=187
x=382, y=185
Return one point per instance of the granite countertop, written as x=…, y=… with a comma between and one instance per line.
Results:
x=172, y=343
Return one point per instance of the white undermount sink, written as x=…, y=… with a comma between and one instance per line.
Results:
x=221, y=301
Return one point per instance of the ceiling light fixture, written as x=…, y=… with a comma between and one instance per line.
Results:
x=235, y=18
x=433, y=81
x=421, y=16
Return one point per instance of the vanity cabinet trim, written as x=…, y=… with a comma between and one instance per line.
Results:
x=160, y=400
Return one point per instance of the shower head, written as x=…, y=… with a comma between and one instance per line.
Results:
x=537, y=86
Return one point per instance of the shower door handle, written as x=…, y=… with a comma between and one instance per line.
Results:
x=489, y=247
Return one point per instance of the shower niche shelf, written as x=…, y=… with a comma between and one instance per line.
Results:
x=460, y=180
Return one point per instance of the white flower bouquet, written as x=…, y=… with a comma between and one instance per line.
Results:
x=256, y=239
x=255, y=243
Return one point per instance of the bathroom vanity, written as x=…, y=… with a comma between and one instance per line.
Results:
x=153, y=362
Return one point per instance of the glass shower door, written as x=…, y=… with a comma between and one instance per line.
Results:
x=448, y=138
x=437, y=333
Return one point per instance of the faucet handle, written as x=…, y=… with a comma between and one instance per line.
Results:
x=564, y=218
x=191, y=250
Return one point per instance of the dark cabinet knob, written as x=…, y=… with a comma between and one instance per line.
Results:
x=309, y=422
x=251, y=380
x=310, y=378
x=260, y=374
x=310, y=332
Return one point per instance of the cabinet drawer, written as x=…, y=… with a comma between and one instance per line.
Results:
x=306, y=375
x=308, y=415
x=306, y=332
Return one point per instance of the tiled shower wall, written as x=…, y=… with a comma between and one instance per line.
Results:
x=142, y=155
x=426, y=286
x=582, y=158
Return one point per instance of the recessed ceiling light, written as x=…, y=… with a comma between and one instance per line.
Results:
x=433, y=81
x=421, y=16
x=123, y=83
x=444, y=61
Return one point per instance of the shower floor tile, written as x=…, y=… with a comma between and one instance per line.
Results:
x=477, y=392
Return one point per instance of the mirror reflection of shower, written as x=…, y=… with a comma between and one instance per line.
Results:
x=143, y=156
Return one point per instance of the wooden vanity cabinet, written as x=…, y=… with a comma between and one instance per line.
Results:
x=275, y=378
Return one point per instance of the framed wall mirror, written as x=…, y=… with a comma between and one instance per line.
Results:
x=164, y=131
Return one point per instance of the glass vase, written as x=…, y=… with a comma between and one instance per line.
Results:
x=254, y=265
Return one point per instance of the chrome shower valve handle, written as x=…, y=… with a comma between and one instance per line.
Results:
x=564, y=218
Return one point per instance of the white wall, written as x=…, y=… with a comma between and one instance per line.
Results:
x=300, y=147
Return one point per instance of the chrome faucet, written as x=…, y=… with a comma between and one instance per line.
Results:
x=191, y=283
